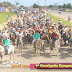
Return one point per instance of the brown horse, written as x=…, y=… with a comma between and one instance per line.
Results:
x=13, y=38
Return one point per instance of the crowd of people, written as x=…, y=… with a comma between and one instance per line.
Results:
x=37, y=25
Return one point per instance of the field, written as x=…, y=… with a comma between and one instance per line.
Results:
x=3, y=16
x=56, y=19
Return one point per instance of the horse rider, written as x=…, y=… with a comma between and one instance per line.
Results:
x=0, y=34
x=20, y=35
x=54, y=37
x=35, y=37
x=6, y=42
x=69, y=34
x=69, y=18
x=70, y=37
x=64, y=29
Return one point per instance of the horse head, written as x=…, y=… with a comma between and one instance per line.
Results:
x=38, y=42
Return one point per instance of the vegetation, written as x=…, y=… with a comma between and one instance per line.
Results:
x=65, y=6
x=3, y=16
x=56, y=19
x=5, y=4
x=35, y=6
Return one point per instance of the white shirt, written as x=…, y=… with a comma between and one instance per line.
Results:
x=0, y=34
x=20, y=34
x=64, y=29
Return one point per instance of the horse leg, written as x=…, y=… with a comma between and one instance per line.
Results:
x=10, y=57
x=13, y=57
x=17, y=44
x=21, y=47
x=43, y=49
x=57, y=51
x=39, y=52
x=2, y=58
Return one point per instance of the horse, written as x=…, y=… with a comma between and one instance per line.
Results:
x=65, y=37
x=24, y=39
x=10, y=51
x=56, y=44
x=20, y=43
x=60, y=27
x=39, y=45
x=13, y=38
x=46, y=41
x=29, y=39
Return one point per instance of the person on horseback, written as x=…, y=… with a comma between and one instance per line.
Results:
x=69, y=34
x=6, y=42
x=69, y=18
x=64, y=29
x=36, y=36
x=0, y=34
x=54, y=37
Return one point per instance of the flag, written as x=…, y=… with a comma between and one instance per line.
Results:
x=17, y=2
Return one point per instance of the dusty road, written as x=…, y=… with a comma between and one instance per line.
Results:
x=28, y=57
x=63, y=14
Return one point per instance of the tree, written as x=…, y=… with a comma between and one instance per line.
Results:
x=51, y=6
x=1, y=4
x=69, y=5
x=60, y=6
x=35, y=6
x=65, y=6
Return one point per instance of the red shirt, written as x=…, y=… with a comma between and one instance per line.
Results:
x=54, y=35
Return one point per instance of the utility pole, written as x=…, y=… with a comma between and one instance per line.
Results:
x=7, y=3
x=45, y=9
x=39, y=12
x=45, y=5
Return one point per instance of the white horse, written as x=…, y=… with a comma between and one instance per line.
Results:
x=10, y=51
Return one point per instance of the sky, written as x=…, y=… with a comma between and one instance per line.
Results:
x=29, y=3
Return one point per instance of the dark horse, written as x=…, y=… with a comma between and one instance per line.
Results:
x=60, y=27
x=46, y=41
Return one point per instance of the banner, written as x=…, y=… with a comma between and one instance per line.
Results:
x=51, y=66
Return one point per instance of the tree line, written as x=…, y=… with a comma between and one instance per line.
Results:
x=65, y=6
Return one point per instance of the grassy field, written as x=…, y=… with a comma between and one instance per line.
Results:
x=3, y=16
x=56, y=19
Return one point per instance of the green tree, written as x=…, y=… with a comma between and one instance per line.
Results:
x=51, y=6
x=35, y=6
x=69, y=5
x=64, y=6
x=60, y=6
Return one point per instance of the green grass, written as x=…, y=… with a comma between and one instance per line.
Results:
x=3, y=16
x=69, y=10
x=56, y=19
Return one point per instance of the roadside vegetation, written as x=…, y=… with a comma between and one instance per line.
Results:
x=56, y=19
x=3, y=16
